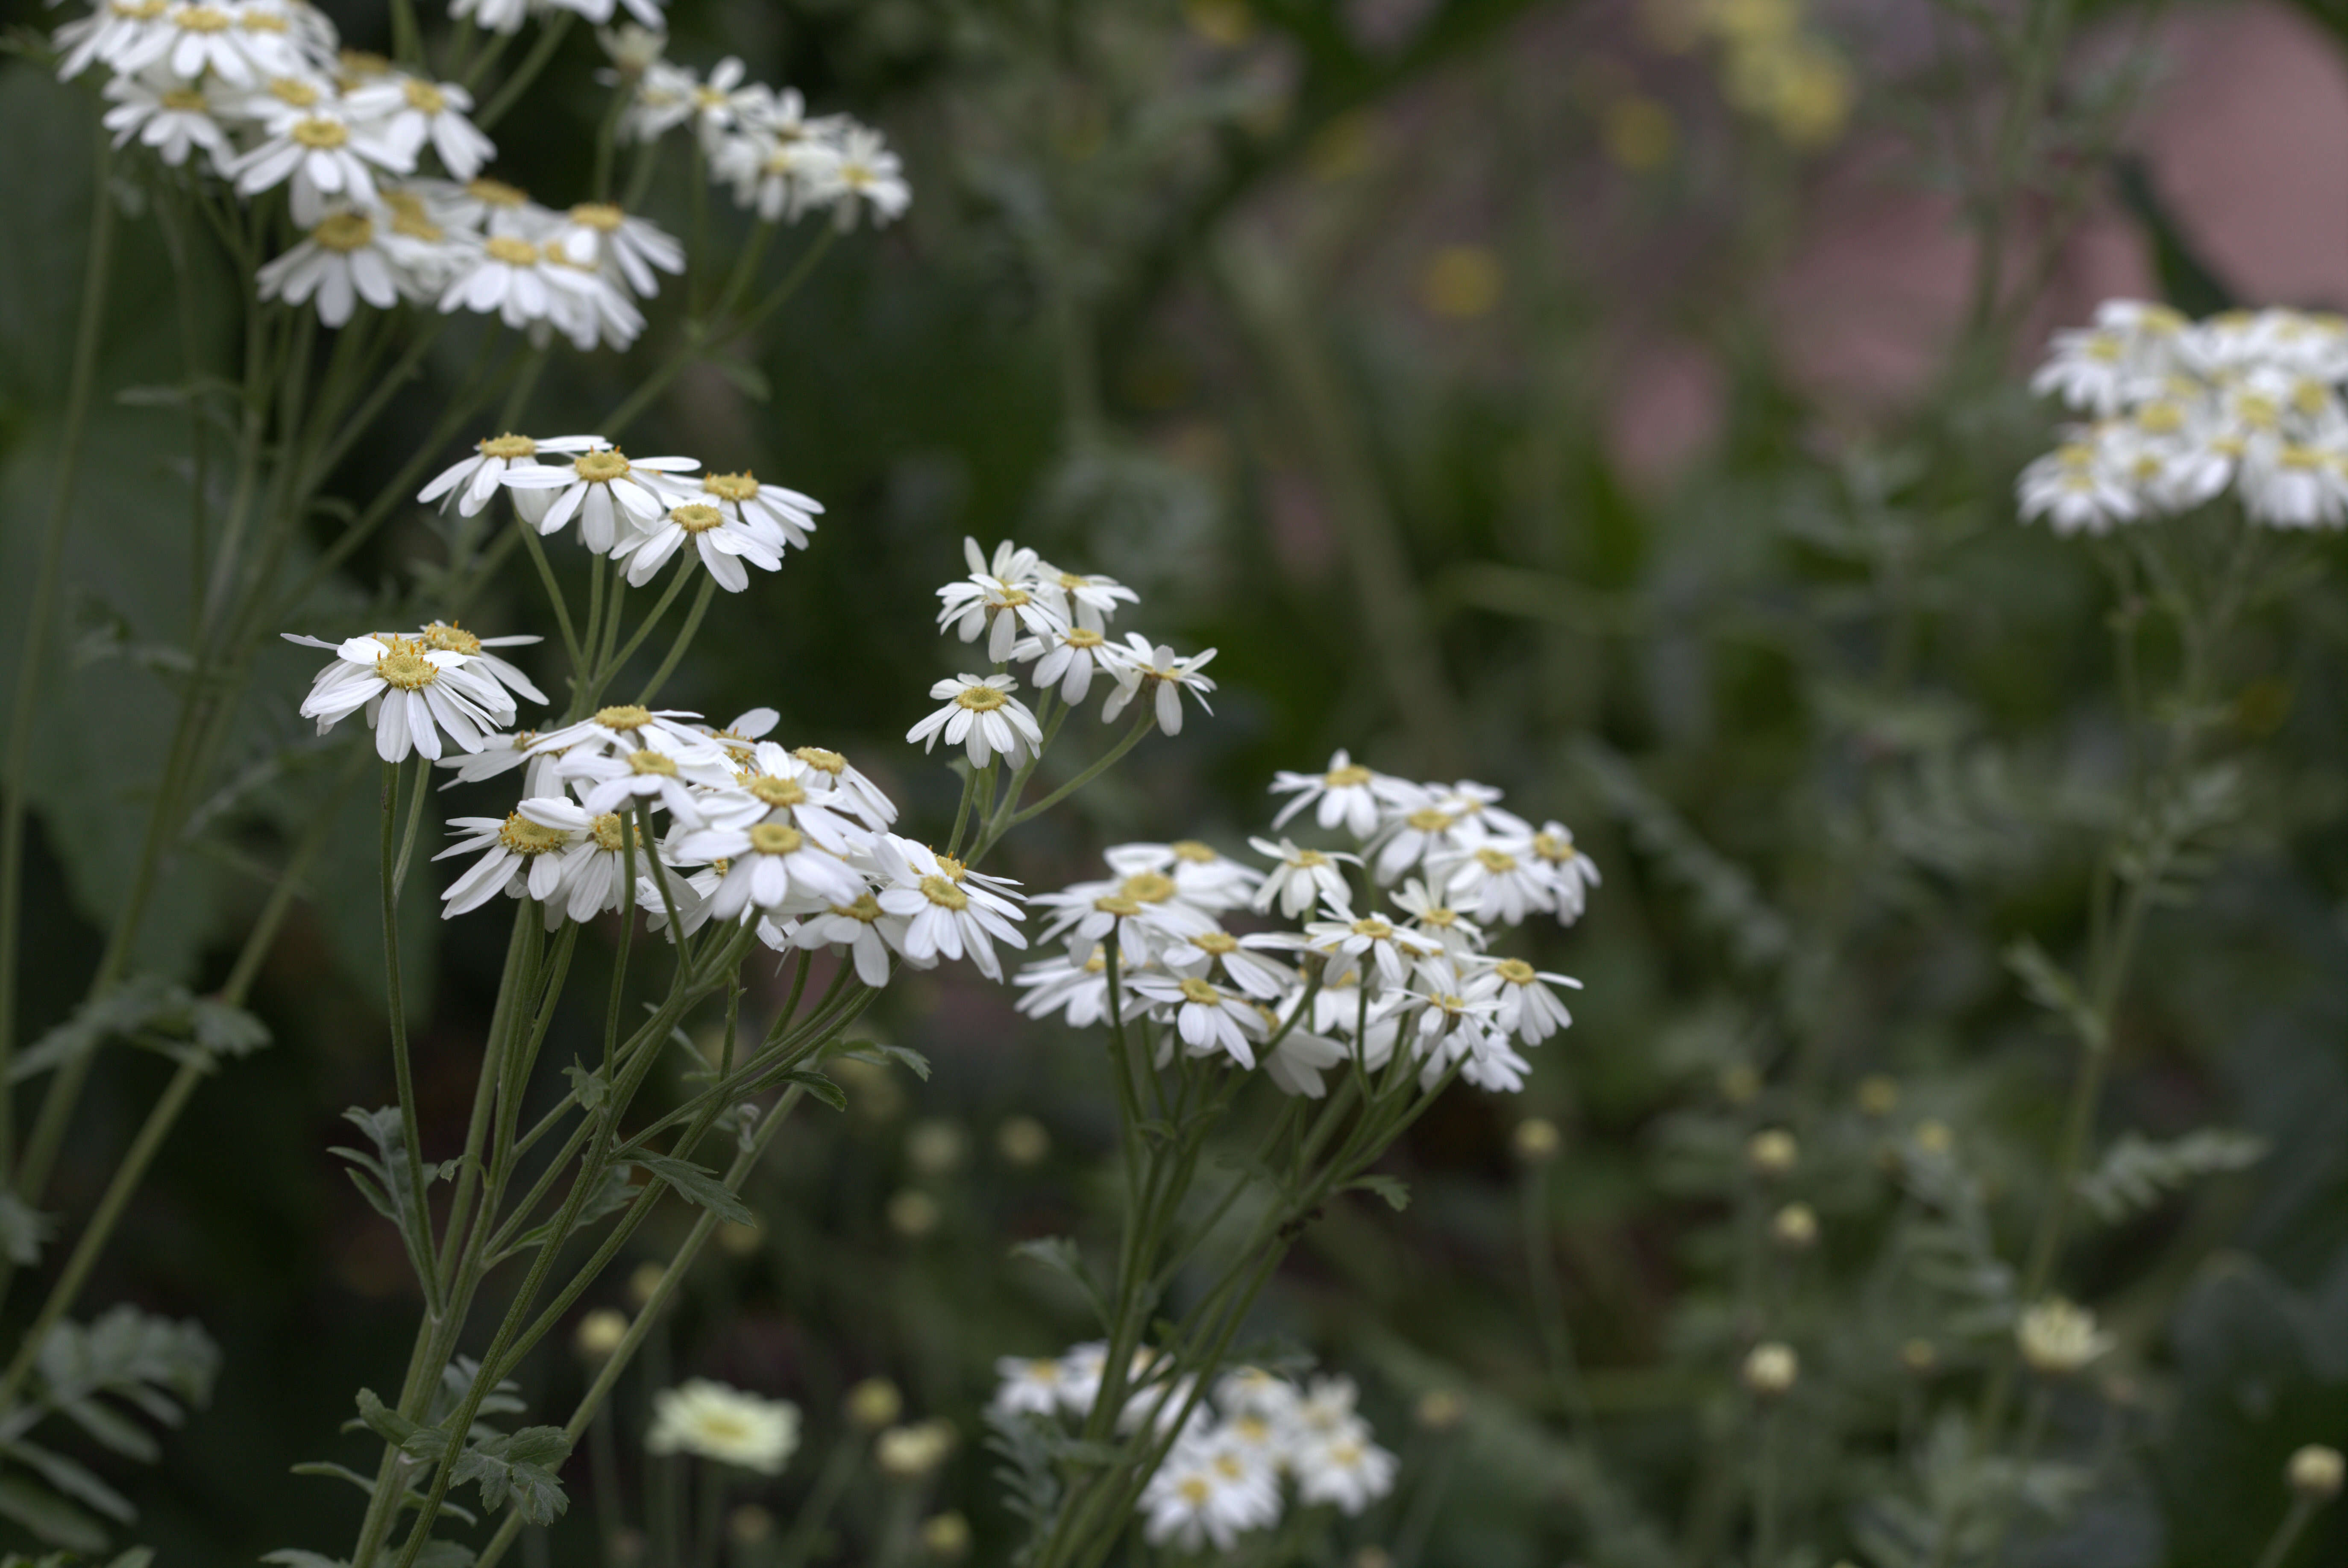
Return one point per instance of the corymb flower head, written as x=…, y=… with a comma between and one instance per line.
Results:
x=413, y=694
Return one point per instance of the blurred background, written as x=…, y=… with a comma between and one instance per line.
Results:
x=1616, y=403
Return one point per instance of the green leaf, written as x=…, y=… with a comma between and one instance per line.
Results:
x=587, y=1085
x=696, y=1185
x=226, y=1031
x=617, y=1192
x=816, y=1084
x=22, y=1230
x=73, y=1479
x=1397, y=1196
x=49, y=1516
x=879, y=1056
x=411, y=1437
x=1059, y=1255
x=2055, y=991
x=520, y=1468
x=295, y=1557
x=2136, y=1172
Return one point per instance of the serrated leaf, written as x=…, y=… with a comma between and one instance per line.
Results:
x=816, y=1084
x=617, y=1192
x=696, y=1185
x=1059, y=1255
x=2136, y=1172
x=72, y=1479
x=225, y=1030
x=2051, y=989
x=1395, y=1193
x=49, y=1516
x=587, y=1085
x=505, y=1475
x=879, y=1056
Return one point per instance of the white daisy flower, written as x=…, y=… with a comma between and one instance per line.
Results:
x=857, y=794
x=602, y=488
x=521, y=856
x=1083, y=601
x=1138, y=665
x=633, y=49
x=1066, y=657
x=348, y=256
x=630, y=727
x=1296, y=1064
x=1529, y=1009
x=723, y=541
x=774, y=510
x=1207, y=1018
x=861, y=927
x=860, y=172
x=172, y=117
x=1345, y=792
x=1501, y=880
x=194, y=39
x=717, y=1422
x=616, y=781
x=1478, y=807
x=1028, y=1385
x=951, y=912
x=1370, y=940
x=2075, y=492
x=411, y=692
x=1428, y=914
x=1202, y=1496
x=741, y=735
x=470, y=483
x=1570, y=873
x=663, y=101
x=773, y=866
x=1301, y=877
x=1240, y=959
x=1002, y=597
x=445, y=637
x=1344, y=1468
x=593, y=872
x=114, y=30
x=501, y=754
x=321, y=149
x=1423, y=830
x=1064, y=985
x=982, y=716
x=415, y=111
x=628, y=249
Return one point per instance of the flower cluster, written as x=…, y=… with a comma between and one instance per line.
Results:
x=1369, y=969
x=380, y=167
x=779, y=161
x=1031, y=613
x=2180, y=411
x=1222, y=1476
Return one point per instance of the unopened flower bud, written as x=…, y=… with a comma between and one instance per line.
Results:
x=946, y=1537
x=1536, y=1140
x=1440, y=1409
x=1772, y=1154
x=909, y=1453
x=1878, y=1096
x=874, y=1404
x=2316, y=1472
x=936, y=1147
x=1022, y=1140
x=1770, y=1369
x=1919, y=1358
x=643, y=1281
x=912, y=1214
x=1739, y=1083
x=599, y=1334
x=2058, y=1338
x=1794, y=1227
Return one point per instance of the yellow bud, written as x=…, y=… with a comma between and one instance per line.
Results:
x=1536, y=1140
x=1794, y=1227
x=946, y=1537
x=599, y=1334
x=1772, y=1154
x=874, y=1403
x=1022, y=1140
x=1770, y=1369
x=2316, y=1472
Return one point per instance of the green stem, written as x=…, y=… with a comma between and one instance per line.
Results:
x=2287, y=1533
x=1109, y=759
x=683, y=640
x=395, y=1005
x=549, y=38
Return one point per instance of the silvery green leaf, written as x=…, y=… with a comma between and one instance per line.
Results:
x=696, y=1185
x=22, y=1230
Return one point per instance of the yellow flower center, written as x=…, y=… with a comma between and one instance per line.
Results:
x=1515, y=971
x=1495, y=860
x=627, y=715
x=321, y=134
x=141, y=10
x=656, y=764
x=778, y=791
x=1439, y=915
x=358, y=63
x=509, y=446
x=599, y=467
x=1201, y=992
x=343, y=232
x=776, y=839
x=730, y=487
x=600, y=216
x=405, y=667
x=1352, y=777
x=709, y=97
x=425, y=97
x=610, y=832
x=1195, y=1492
x=1229, y=1468
x=513, y=253
x=524, y=837
x=866, y=908
x=1310, y=858
x=1084, y=637
x=185, y=100
x=1373, y=928
x=1014, y=597
x=1149, y=887
x=1193, y=852
x=1216, y=941
x=496, y=192
x=293, y=90
x=981, y=698
x=943, y=893
x=816, y=757
x=442, y=637
x=952, y=868
x=1429, y=820
x=695, y=518
x=1117, y=904
x=261, y=22
x=204, y=19
x=1554, y=847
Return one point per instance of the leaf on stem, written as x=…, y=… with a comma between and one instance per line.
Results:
x=1059, y=1255
x=693, y=1185
x=519, y=1467
x=2136, y=1172
x=1395, y=1193
x=2055, y=991
x=22, y=1230
x=878, y=1056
